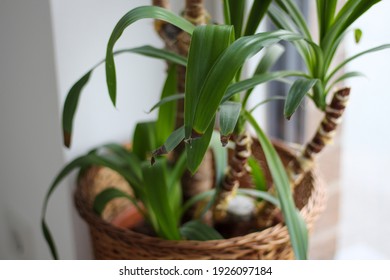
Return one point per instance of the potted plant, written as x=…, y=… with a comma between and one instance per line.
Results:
x=211, y=87
x=322, y=67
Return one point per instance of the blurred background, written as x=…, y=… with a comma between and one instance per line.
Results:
x=46, y=45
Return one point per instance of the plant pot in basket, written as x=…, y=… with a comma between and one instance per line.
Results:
x=201, y=92
x=112, y=242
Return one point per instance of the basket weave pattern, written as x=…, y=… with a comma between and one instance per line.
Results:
x=110, y=242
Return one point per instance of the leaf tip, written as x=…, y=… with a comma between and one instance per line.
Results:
x=225, y=139
x=358, y=35
x=158, y=152
x=67, y=137
x=195, y=134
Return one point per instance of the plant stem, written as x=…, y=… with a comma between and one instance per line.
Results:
x=237, y=168
x=195, y=12
x=324, y=135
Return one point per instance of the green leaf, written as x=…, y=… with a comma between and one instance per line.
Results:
x=207, y=43
x=144, y=139
x=103, y=198
x=128, y=19
x=282, y=20
x=257, y=175
x=266, y=101
x=194, y=199
x=261, y=195
x=158, y=199
x=177, y=171
x=271, y=56
x=70, y=107
x=80, y=162
x=224, y=70
x=258, y=10
x=167, y=99
x=167, y=114
x=342, y=64
x=348, y=14
x=228, y=117
x=237, y=10
x=358, y=35
x=174, y=185
x=296, y=94
x=291, y=8
x=325, y=13
x=345, y=76
x=226, y=12
x=196, y=230
x=256, y=80
x=153, y=52
x=171, y=143
x=196, y=148
x=294, y=222
x=73, y=96
x=130, y=162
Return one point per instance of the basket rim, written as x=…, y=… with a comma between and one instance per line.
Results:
x=310, y=212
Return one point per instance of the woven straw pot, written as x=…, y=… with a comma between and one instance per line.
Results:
x=111, y=242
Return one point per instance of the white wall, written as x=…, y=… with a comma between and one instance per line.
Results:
x=29, y=139
x=366, y=152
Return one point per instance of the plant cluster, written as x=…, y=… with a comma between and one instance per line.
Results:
x=205, y=63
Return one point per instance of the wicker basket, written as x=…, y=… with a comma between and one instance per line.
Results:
x=111, y=242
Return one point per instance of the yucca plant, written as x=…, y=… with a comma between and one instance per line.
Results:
x=211, y=93
x=334, y=20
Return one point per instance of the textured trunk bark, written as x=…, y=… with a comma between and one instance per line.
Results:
x=323, y=136
x=236, y=169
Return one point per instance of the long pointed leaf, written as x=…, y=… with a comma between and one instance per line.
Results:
x=296, y=94
x=228, y=117
x=257, y=175
x=325, y=13
x=256, y=80
x=345, y=76
x=291, y=8
x=128, y=19
x=80, y=162
x=73, y=96
x=207, y=43
x=295, y=225
x=258, y=10
x=167, y=99
x=342, y=64
x=263, y=195
x=224, y=70
x=271, y=56
x=196, y=148
x=171, y=143
x=157, y=193
x=167, y=114
x=348, y=14
x=237, y=10
x=103, y=198
x=144, y=139
x=282, y=21
x=153, y=52
x=274, y=98
x=193, y=200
